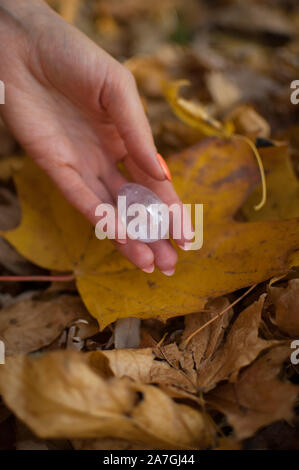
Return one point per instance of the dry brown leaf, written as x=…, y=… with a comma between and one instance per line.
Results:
x=228, y=443
x=142, y=366
x=107, y=443
x=71, y=394
x=9, y=164
x=248, y=122
x=205, y=343
x=286, y=303
x=4, y=412
x=241, y=347
x=259, y=397
x=14, y=262
x=30, y=324
x=205, y=361
x=10, y=214
x=224, y=92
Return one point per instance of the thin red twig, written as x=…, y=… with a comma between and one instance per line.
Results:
x=65, y=278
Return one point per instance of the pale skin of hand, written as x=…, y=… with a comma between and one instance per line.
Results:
x=77, y=112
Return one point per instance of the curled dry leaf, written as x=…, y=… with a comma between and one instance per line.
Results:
x=286, y=304
x=217, y=173
x=203, y=345
x=74, y=395
x=142, y=366
x=30, y=324
x=259, y=397
x=241, y=347
x=248, y=122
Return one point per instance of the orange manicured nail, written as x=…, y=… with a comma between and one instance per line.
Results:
x=164, y=166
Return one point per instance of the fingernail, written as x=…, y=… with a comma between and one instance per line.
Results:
x=149, y=270
x=122, y=241
x=168, y=272
x=184, y=247
x=164, y=166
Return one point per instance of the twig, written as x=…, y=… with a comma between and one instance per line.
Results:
x=66, y=278
x=186, y=342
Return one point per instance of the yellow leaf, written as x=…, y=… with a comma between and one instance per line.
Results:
x=74, y=395
x=282, y=187
x=194, y=114
x=218, y=173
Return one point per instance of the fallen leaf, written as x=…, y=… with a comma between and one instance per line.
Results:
x=282, y=187
x=218, y=173
x=9, y=164
x=207, y=359
x=31, y=324
x=142, y=366
x=107, y=443
x=248, y=122
x=259, y=397
x=241, y=347
x=228, y=443
x=4, y=412
x=286, y=304
x=13, y=262
x=10, y=213
x=74, y=395
x=224, y=92
x=203, y=345
x=194, y=114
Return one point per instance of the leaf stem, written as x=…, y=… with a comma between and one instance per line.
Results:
x=65, y=278
x=187, y=340
x=261, y=168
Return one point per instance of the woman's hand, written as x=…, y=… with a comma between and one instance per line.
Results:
x=77, y=112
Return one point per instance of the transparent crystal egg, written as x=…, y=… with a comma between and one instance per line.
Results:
x=144, y=215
